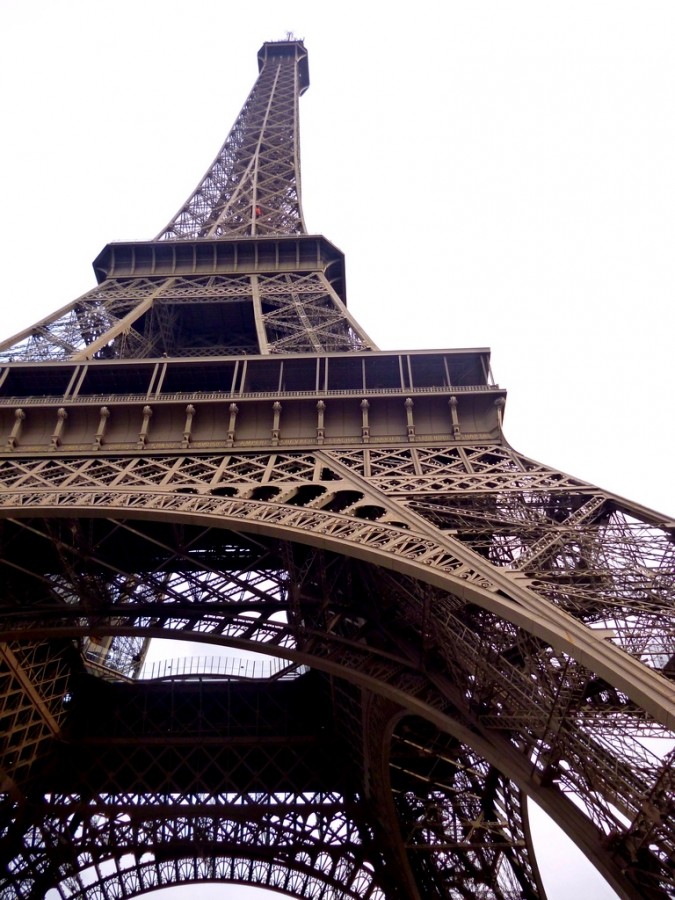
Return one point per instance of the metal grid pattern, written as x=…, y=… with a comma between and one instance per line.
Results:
x=253, y=185
x=459, y=627
x=523, y=703
x=215, y=316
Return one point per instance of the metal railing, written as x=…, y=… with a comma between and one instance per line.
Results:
x=227, y=668
x=228, y=396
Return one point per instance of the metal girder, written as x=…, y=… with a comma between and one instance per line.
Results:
x=142, y=318
x=573, y=720
x=262, y=295
x=462, y=627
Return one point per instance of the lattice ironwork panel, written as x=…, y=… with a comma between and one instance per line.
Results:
x=461, y=627
x=253, y=185
x=121, y=845
x=526, y=710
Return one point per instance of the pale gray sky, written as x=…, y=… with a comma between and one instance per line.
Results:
x=498, y=174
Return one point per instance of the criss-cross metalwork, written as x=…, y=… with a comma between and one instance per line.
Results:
x=207, y=448
x=253, y=185
x=216, y=294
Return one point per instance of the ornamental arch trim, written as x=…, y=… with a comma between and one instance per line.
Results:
x=419, y=553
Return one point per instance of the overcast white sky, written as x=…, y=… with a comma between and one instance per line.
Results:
x=498, y=174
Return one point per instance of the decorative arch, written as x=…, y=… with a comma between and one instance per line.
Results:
x=435, y=589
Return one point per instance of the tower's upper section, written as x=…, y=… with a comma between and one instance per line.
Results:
x=231, y=315
x=234, y=273
x=253, y=185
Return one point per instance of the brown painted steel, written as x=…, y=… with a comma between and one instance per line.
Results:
x=207, y=447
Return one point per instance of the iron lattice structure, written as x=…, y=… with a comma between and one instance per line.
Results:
x=208, y=447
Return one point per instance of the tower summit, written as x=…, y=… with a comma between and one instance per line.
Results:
x=253, y=185
x=207, y=447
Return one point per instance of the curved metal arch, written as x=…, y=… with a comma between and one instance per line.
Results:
x=386, y=721
x=426, y=555
x=303, y=879
x=268, y=876
x=499, y=751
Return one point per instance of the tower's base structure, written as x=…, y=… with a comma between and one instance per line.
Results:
x=207, y=447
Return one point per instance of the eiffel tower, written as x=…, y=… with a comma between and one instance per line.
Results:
x=207, y=447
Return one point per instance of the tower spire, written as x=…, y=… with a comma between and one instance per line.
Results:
x=253, y=185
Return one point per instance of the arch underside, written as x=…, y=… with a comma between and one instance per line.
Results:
x=466, y=711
